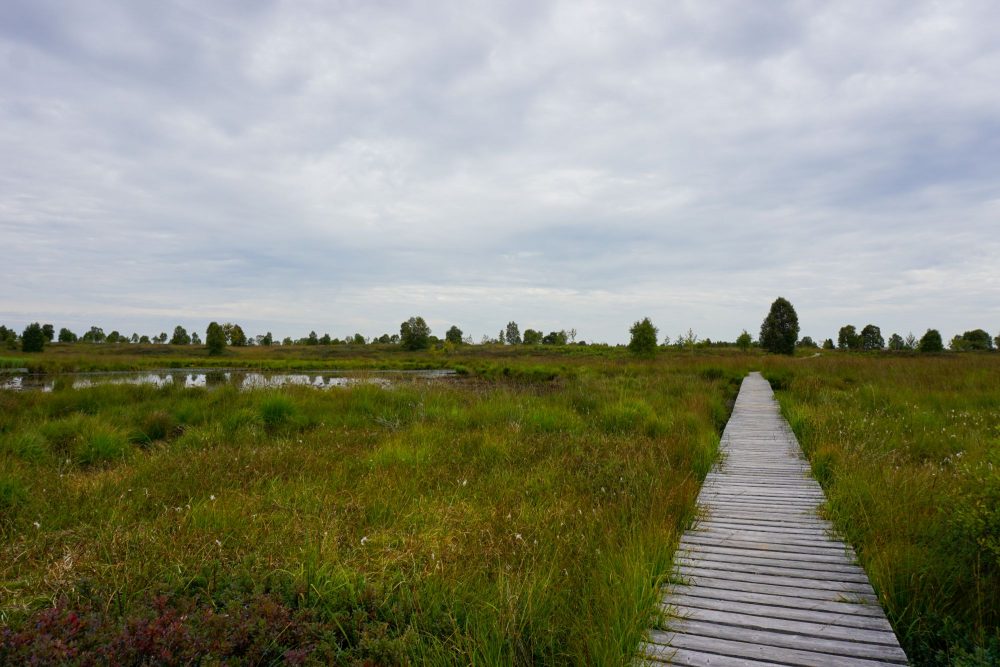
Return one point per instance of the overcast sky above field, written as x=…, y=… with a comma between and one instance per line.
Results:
x=340, y=166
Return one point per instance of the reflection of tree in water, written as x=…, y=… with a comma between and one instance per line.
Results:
x=215, y=378
x=238, y=379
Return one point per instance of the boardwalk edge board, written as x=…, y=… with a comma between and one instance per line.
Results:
x=760, y=578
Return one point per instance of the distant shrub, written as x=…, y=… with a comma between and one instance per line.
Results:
x=780, y=329
x=644, y=337
x=931, y=341
x=33, y=338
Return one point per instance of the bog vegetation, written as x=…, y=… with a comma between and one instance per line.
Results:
x=524, y=512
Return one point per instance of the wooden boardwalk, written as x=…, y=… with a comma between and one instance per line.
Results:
x=763, y=580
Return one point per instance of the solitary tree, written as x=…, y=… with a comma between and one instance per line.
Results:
x=532, y=337
x=195, y=338
x=512, y=334
x=828, y=344
x=49, y=332
x=66, y=336
x=743, y=341
x=180, y=336
x=896, y=342
x=414, y=334
x=780, y=329
x=931, y=341
x=453, y=335
x=215, y=338
x=871, y=338
x=644, y=337
x=33, y=338
x=808, y=342
x=358, y=339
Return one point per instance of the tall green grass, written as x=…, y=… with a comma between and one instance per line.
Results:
x=513, y=517
x=908, y=452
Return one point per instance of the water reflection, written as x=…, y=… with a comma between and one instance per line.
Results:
x=241, y=379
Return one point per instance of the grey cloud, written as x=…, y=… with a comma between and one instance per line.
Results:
x=339, y=165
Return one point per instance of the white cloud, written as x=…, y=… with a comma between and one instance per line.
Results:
x=303, y=166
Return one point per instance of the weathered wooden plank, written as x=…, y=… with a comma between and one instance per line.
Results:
x=776, y=623
x=777, y=600
x=788, y=640
x=755, y=651
x=779, y=569
x=768, y=560
x=829, y=618
x=657, y=653
x=775, y=580
x=835, y=552
x=777, y=589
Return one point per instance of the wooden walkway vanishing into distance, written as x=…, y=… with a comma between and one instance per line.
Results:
x=763, y=580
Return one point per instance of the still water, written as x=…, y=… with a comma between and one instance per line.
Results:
x=241, y=379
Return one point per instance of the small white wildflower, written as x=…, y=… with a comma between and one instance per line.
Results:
x=218, y=543
x=37, y=525
x=212, y=498
x=517, y=536
x=364, y=540
x=464, y=482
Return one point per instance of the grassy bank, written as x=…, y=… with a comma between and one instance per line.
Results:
x=523, y=514
x=908, y=451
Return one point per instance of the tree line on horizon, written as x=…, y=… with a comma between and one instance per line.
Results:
x=778, y=334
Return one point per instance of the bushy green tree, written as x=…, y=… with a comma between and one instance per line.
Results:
x=267, y=339
x=828, y=344
x=532, y=337
x=512, y=335
x=453, y=335
x=780, y=329
x=115, y=337
x=555, y=338
x=195, y=338
x=977, y=339
x=414, y=334
x=358, y=339
x=931, y=341
x=848, y=338
x=896, y=342
x=215, y=338
x=67, y=336
x=235, y=335
x=94, y=335
x=33, y=338
x=808, y=342
x=743, y=341
x=180, y=336
x=871, y=338
x=644, y=337
x=49, y=332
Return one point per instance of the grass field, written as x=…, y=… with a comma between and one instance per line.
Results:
x=908, y=452
x=523, y=512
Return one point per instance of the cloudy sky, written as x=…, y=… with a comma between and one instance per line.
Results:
x=340, y=166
